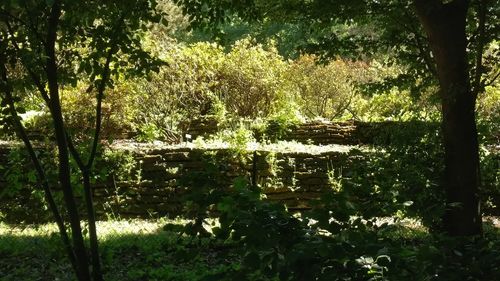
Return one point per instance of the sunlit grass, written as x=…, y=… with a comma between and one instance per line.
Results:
x=130, y=250
x=104, y=228
x=143, y=250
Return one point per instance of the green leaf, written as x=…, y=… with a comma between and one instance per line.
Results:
x=408, y=203
x=252, y=260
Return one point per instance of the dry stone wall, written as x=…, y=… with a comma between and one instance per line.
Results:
x=160, y=179
x=322, y=132
x=292, y=178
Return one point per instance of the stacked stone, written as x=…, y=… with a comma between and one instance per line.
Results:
x=324, y=133
x=201, y=127
x=294, y=178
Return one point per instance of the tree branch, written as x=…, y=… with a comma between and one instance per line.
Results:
x=74, y=152
x=425, y=55
x=495, y=77
x=86, y=169
x=83, y=272
x=32, y=74
x=42, y=178
x=100, y=93
x=32, y=26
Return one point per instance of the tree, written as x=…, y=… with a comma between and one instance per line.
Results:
x=447, y=49
x=47, y=45
x=445, y=25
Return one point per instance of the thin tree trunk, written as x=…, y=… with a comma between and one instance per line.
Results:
x=42, y=179
x=94, y=245
x=445, y=28
x=65, y=182
x=62, y=145
x=482, y=14
x=86, y=168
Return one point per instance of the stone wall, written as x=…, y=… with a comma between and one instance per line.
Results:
x=323, y=132
x=161, y=179
x=293, y=178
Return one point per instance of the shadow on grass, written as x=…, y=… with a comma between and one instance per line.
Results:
x=149, y=256
x=164, y=255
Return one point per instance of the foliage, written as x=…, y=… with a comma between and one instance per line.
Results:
x=337, y=239
x=183, y=89
x=327, y=90
x=252, y=80
x=488, y=106
x=59, y=43
x=413, y=29
x=272, y=244
x=403, y=175
x=163, y=35
x=201, y=80
x=276, y=128
x=335, y=242
x=490, y=181
x=139, y=249
x=80, y=116
x=394, y=105
x=23, y=201
x=389, y=32
x=79, y=113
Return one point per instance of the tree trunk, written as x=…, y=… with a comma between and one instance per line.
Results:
x=94, y=245
x=62, y=146
x=42, y=179
x=445, y=28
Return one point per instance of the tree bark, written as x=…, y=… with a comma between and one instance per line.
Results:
x=445, y=28
x=42, y=179
x=62, y=145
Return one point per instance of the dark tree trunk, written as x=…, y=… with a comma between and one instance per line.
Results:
x=42, y=179
x=94, y=245
x=445, y=28
x=62, y=145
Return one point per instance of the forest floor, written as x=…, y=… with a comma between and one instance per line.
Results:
x=133, y=250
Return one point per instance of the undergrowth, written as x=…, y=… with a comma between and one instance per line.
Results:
x=143, y=250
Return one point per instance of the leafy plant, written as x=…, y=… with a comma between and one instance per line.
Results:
x=327, y=90
x=40, y=42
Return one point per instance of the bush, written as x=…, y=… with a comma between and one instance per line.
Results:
x=182, y=90
x=78, y=105
x=79, y=111
x=488, y=115
x=201, y=80
x=22, y=199
x=252, y=80
x=326, y=90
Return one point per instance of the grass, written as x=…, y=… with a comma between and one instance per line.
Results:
x=143, y=250
x=130, y=250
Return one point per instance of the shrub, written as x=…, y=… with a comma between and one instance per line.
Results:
x=253, y=80
x=79, y=111
x=488, y=113
x=78, y=105
x=183, y=89
x=326, y=90
x=201, y=80
x=22, y=199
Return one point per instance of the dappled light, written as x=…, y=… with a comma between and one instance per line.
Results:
x=249, y=140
